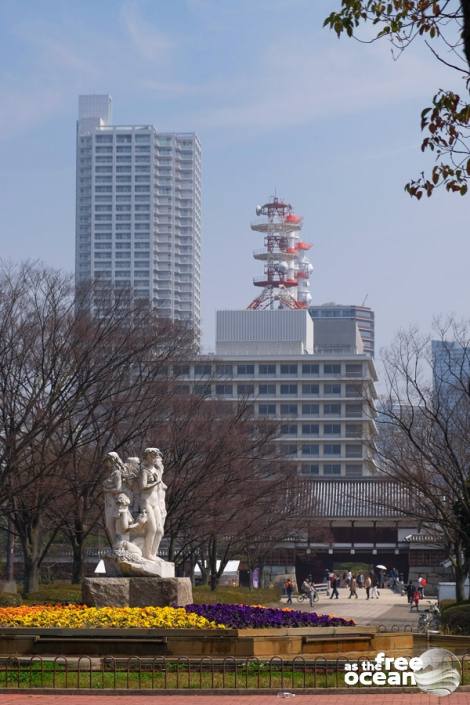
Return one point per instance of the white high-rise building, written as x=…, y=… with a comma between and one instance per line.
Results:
x=138, y=210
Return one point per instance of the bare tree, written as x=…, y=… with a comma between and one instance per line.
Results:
x=69, y=381
x=425, y=434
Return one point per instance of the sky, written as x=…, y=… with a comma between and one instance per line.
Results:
x=280, y=106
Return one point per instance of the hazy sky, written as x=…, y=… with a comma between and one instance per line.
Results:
x=279, y=104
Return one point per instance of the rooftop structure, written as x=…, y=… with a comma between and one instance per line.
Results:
x=286, y=269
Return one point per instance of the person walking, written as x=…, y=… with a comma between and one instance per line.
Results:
x=368, y=585
x=375, y=588
x=334, y=587
x=360, y=580
x=289, y=588
x=353, y=587
x=409, y=591
x=312, y=591
x=415, y=598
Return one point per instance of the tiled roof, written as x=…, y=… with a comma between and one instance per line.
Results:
x=353, y=498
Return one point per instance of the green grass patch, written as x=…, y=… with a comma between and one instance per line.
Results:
x=241, y=675
x=202, y=594
x=66, y=592
x=55, y=592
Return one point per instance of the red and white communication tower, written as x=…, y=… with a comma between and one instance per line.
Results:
x=286, y=268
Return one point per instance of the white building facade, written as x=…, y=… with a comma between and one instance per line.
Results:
x=323, y=401
x=138, y=211
x=362, y=315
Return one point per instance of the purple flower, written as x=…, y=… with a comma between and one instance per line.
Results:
x=240, y=616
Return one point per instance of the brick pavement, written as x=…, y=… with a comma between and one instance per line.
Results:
x=357, y=698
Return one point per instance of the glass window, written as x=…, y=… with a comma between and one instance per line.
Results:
x=354, y=430
x=202, y=390
x=310, y=449
x=310, y=429
x=353, y=470
x=224, y=389
x=264, y=389
x=353, y=450
x=332, y=469
x=267, y=409
x=179, y=370
x=245, y=389
x=353, y=390
x=289, y=449
x=332, y=409
x=332, y=449
x=288, y=389
x=202, y=370
x=353, y=370
x=288, y=409
x=310, y=409
x=354, y=410
x=332, y=429
x=224, y=370
x=310, y=369
x=288, y=369
x=245, y=369
x=289, y=429
x=309, y=469
x=332, y=389
x=331, y=369
x=310, y=389
x=267, y=369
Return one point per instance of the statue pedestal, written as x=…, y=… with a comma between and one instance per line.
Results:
x=136, y=592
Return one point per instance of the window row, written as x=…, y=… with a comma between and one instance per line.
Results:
x=351, y=450
x=331, y=469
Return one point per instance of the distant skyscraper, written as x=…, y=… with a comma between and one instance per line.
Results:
x=138, y=210
x=363, y=315
x=451, y=372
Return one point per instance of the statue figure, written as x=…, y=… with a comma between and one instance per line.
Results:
x=135, y=489
x=112, y=487
x=150, y=480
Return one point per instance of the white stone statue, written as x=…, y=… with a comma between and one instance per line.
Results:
x=135, y=512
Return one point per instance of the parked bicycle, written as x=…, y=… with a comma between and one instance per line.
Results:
x=429, y=619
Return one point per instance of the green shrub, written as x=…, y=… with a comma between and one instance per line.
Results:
x=456, y=618
x=8, y=599
x=445, y=604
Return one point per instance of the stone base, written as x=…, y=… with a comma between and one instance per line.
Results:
x=136, y=592
x=8, y=587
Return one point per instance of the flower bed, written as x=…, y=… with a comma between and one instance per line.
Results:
x=217, y=616
x=81, y=617
x=243, y=616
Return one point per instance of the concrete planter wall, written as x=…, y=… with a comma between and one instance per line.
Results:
x=262, y=643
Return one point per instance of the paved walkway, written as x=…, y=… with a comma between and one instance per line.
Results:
x=388, y=609
x=358, y=698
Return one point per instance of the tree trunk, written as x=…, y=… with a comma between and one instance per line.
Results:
x=10, y=554
x=31, y=558
x=77, y=563
x=77, y=539
x=214, y=579
x=460, y=577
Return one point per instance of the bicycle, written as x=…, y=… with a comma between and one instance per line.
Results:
x=429, y=619
x=305, y=597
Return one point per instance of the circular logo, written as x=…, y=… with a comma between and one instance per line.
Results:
x=438, y=672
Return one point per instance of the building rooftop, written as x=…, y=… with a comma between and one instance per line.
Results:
x=353, y=499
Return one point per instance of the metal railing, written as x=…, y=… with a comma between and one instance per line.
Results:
x=169, y=674
x=162, y=673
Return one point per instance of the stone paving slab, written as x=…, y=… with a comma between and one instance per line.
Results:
x=357, y=698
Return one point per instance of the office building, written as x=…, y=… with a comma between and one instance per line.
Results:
x=362, y=315
x=138, y=211
x=323, y=400
x=451, y=373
